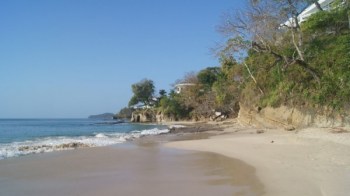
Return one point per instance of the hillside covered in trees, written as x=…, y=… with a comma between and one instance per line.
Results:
x=270, y=58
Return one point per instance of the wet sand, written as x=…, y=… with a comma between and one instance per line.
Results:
x=146, y=169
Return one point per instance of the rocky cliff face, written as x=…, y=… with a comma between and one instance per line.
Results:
x=143, y=116
x=149, y=116
x=289, y=118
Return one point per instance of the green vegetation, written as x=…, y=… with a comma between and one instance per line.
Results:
x=124, y=113
x=143, y=92
x=304, y=64
x=264, y=63
x=172, y=108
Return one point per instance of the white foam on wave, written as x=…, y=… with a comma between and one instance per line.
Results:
x=67, y=143
x=100, y=135
x=53, y=144
x=154, y=131
x=176, y=126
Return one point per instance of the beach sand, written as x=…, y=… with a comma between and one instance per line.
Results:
x=145, y=168
x=309, y=162
x=237, y=161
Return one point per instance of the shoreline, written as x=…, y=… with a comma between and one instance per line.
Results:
x=312, y=161
x=306, y=162
x=143, y=168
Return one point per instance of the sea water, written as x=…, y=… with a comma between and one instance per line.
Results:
x=29, y=136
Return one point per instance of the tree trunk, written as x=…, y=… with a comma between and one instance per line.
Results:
x=349, y=19
x=308, y=69
x=297, y=44
x=251, y=75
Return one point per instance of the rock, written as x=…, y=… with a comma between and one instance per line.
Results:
x=291, y=118
x=161, y=117
x=258, y=109
x=260, y=131
x=72, y=145
x=143, y=116
x=289, y=128
x=172, y=129
x=218, y=114
x=23, y=148
x=339, y=130
x=150, y=115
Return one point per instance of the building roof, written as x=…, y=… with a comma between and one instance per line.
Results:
x=185, y=84
x=308, y=11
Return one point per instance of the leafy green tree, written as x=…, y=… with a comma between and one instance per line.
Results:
x=124, y=113
x=227, y=85
x=143, y=92
x=299, y=64
x=334, y=21
x=208, y=76
x=262, y=29
x=172, y=107
x=162, y=93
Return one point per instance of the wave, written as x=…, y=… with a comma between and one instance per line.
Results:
x=176, y=126
x=50, y=144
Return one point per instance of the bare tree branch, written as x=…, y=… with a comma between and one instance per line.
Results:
x=251, y=75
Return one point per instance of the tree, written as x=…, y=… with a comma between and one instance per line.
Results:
x=286, y=61
x=162, y=93
x=208, y=76
x=143, y=92
x=334, y=21
x=262, y=29
x=172, y=108
x=190, y=77
x=124, y=113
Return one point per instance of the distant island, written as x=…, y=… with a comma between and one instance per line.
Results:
x=106, y=116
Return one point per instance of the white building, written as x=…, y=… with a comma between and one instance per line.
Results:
x=181, y=86
x=325, y=5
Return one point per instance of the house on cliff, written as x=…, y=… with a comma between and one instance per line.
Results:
x=181, y=86
x=311, y=9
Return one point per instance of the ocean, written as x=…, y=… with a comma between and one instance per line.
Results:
x=20, y=137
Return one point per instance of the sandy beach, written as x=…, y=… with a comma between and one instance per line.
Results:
x=234, y=161
x=145, y=168
x=306, y=162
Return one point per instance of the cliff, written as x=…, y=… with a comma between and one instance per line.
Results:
x=290, y=118
x=149, y=116
x=143, y=116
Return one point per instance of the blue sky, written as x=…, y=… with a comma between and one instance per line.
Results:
x=73, y=58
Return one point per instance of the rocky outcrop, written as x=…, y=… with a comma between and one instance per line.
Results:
x=155, y=116
x=290, y=118
x=149, y=116
x=143, y=116
x=161, y=117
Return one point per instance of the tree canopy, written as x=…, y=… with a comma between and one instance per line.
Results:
x=297, y=63
x=143, y=92
x=208, y=76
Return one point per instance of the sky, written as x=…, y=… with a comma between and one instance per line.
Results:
x=74, y=58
